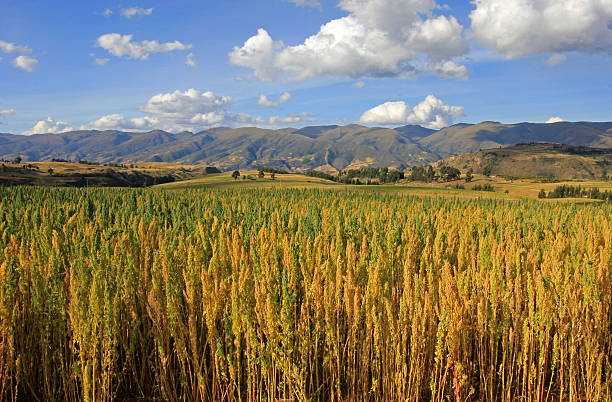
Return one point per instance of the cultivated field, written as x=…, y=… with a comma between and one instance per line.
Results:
x=516, y=189
x=230, y=293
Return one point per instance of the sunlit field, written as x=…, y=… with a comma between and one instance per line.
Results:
x=293, y=294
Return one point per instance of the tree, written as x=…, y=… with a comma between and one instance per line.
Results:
x=449, y=173
x=18, y=160
x=469, y=175
x=236, y=174
x=488, y=170
x=272, y=175
x=260, y=173
x=50, y=171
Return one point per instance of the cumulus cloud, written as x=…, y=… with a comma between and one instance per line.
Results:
x=556, y=59
x=358, y=84
x=133, y=11
x=190, y=61
x=49, y=125
x=107, y=13
x=258, y=53
x=189, y=110
x=265, y=102
x=307, y=3
x=555, y=119
x=173, y=111
x=25, y=63
x=7, y=112
x=431, y=113
x=448, y=69
x=8, y=47
x=118, y=122
x=517, y=28
x=178, y=104
x=378, y=38
x=122, y=45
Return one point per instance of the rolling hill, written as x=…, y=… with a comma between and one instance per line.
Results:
x=462, y=138
x=538, y=160
x=327, y=148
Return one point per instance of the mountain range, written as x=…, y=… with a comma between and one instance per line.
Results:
x=326, y=148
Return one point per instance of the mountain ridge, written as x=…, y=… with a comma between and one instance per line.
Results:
x=328, y=148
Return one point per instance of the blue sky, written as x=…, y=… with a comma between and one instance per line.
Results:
x=70, y=65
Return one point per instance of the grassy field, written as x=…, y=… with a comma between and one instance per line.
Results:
x=196, y=176
x=261, y=294
x=504, y=188
x=94, y=175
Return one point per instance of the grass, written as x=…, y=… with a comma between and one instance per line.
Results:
x=517, y=189
x=194, y=177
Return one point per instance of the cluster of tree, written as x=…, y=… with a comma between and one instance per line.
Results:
x=320, y=175
x=371, y=175
x=211, y=170
x=429, y=174
x=366, y=176
x=565, y=191
x=17, y=160
x=271, y=170
x=261, y=173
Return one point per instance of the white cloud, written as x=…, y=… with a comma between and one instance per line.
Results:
x=118, y=122
x=448, y=69
x=174, y=111
x=189, y=110
x=7, y=112
x=431, y=113
x=122, y=45
x=277, y=120
x=99, y=61
x=555, y=119
x=307, y=3
x=179, y=104
x=358, y=84
x=25, y=63
x=556, y=59
x=378, y=38
x=190, y=61
x=265, y=102
x=517, y=28
x=258, y=53
x=107, y=13
x=133, y=11
x=49, y=125
x=8, y=47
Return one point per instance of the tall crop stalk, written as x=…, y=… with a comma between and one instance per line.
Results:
x=254, y=295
